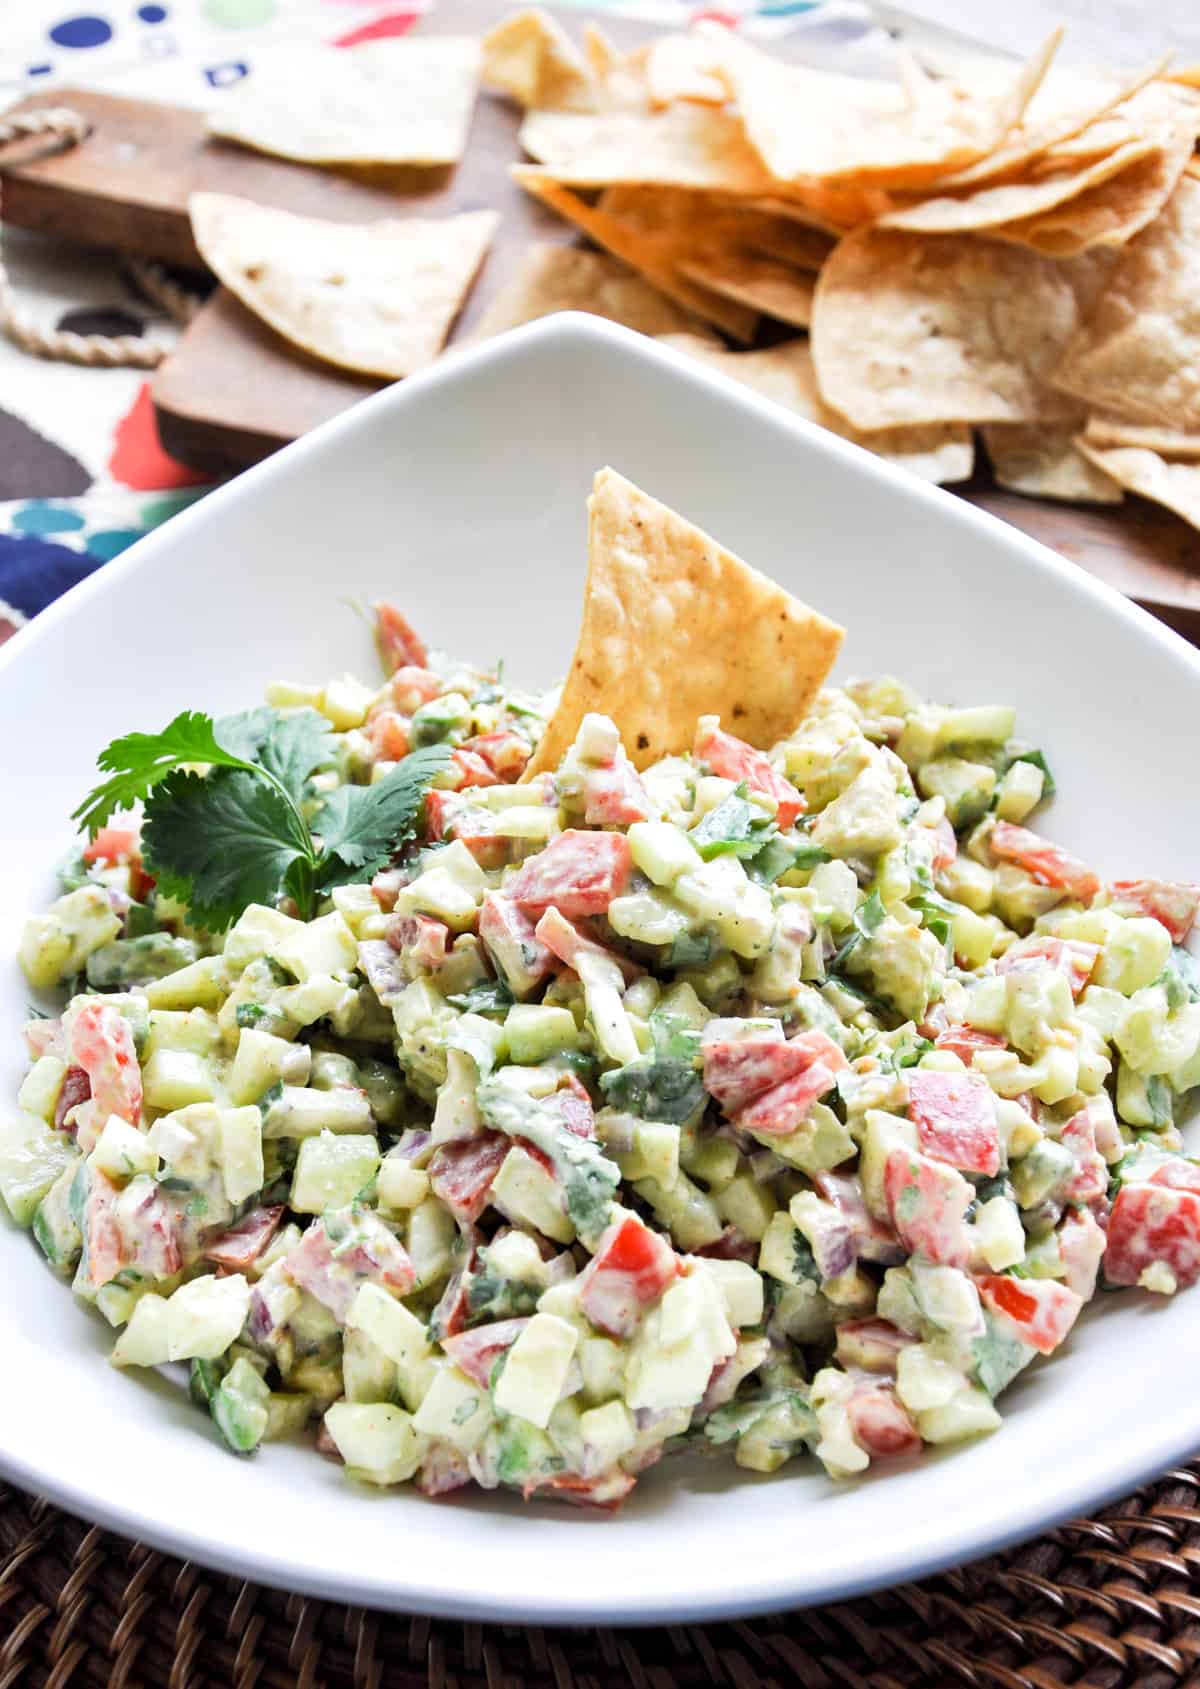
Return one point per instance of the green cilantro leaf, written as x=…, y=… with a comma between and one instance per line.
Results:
x=361, y=827
x=139, y=761
x=288, y=747
x=221, y=841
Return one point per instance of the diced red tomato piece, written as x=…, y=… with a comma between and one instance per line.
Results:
x=476, y=1352
x=1151, y=1224
x=76, y=1088
x=965, y=1040
x=737, y=1071
x=1172, y=902
x=112, y=846
x=578, y=874
x=243, y=1243
x=461, y=1174
x=1071, y=956
x=505, y=753
x=1089, y=1182
x=1048, y=863
x=508, y=936
x=614, y=795
x=468, y=768
x=573, y=1103
x=398, y=643
x=955, y=1117
x=630, y=1270
x=1038, y=1311
x=450, y=816
x=1177, y=1174
x=606, y=1492
x=872, y=1344
x=388, y=732
x=927, y=1202
x=733, y=759
x=946, y=849
x=785, y=1107
x=442, y=1469
x=103, y=1247
x=420, y=937
x=334, y=1279
x=450, y=1314
x=880, y=1425
x=573, y=947
x=387, y=886
x=412, y=686
x=1081, y=1245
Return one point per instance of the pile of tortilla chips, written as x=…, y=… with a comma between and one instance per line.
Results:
x=1010, y=253
x=1017, y=252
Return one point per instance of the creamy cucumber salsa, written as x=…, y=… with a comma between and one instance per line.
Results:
x=778, y=1103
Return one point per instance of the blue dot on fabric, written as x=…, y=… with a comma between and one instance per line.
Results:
x=152, y=14
x=42, y=518
x=108, y=542
x=34, y=572
x=84, y=31
x=38, y=70
x=225, y=75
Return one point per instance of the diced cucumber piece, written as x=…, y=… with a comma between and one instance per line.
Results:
x=369, y=1375
x=122, y=1152
x=54, y=1226
x=56, y=944
x=296, y=1112
x=40, y=1087
x=966, y=787
x=331, y=1169
x=262, y=1060
x=534, y=1031
x=204, y=1317
x=385, y=1090
x=144, y=1341
x=182, y=1029
x=204, y=1378
x=133, y=962
x=430, y=1238
x=400, y=1185
x=174, y=1078
x=378, y=1441
x=240, y=1406
x=200, y=986
x=536, y=1369
x=31, y=1158
x=240, y=1150
x=318, y=948
x=288, y=1411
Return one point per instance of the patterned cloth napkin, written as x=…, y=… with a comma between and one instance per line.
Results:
x=82, y=471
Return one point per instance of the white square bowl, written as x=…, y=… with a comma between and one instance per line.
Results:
x=460, y=495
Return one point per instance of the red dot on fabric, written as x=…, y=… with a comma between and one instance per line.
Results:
x=395, y=23
x=138, y=459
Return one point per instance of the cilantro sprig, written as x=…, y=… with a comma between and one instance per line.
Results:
x=241, y=832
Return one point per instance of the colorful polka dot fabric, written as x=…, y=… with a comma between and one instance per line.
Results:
x=82, y=471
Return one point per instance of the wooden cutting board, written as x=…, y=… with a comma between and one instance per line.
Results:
x=234, y=391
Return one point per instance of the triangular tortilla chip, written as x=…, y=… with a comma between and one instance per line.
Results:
x=1103, y=431
x=946, y=328
x=650, y=255
x=375, y=297
x=810, y=125
x=1005, y=202
x=685, y=146
x=567, y=278
x=406, y=101
x=942, y=452
x=531, y=57
x=1175, y=485
x=1138, y=354
x=1040, y=459
x=676, y=627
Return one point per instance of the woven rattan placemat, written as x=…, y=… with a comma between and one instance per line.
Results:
x=1112, y=1601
